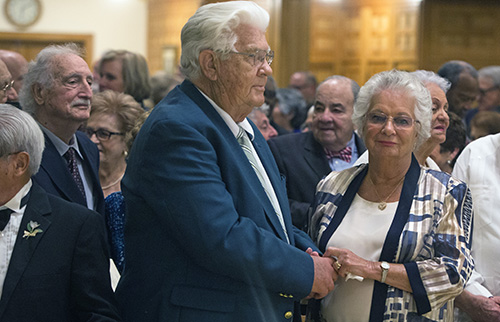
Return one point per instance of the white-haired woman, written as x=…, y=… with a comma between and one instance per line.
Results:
x=404, y=229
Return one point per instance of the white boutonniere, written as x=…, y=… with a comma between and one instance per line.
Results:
x=32, y=230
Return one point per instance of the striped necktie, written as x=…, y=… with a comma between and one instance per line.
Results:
x=246, y=145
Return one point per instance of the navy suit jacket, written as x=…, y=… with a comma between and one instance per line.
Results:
x=56, y=179
x=302, y=160
x=62, y=273
x=202, y=240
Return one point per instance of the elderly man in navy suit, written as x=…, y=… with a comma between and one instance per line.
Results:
x=53, y=253
x=208, y=230
x=305, y=158
x=57, y=93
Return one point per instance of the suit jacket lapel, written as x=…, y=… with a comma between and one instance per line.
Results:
x=273, y=174
x=54, y=165
x=253, y=181
x=37, y=209
x=315, y=156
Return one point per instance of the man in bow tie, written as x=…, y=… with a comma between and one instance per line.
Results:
x=332, y=145
x=53, y=254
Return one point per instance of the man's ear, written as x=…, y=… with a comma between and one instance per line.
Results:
x=21, y=163
x=38, y=94
x=209, y=64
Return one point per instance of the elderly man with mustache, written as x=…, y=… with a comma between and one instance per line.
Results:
x=57, y=93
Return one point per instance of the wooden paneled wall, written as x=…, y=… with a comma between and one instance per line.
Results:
x=463, y=30
x=360, y=38
x=355, y=38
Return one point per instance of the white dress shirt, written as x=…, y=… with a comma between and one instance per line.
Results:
x=9, y=234
x=479, y=166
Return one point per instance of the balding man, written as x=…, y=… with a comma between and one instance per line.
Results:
x=7, y=90
x=18, y=67
x=305, y=158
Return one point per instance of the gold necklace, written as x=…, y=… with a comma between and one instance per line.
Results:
x=383, y=204
x=113, y=183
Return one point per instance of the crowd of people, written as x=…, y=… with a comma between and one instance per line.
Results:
x=219, y=196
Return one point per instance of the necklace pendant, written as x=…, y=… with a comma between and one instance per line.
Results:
x=382, y=205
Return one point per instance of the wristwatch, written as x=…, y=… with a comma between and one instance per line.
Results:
x=385, y=268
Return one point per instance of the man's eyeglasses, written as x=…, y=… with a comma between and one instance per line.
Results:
x=380, y=119
x=259, y=56
x=8, y=85
x=101, y=134
x=483, y=92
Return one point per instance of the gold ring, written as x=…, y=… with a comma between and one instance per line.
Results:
x=337, y=265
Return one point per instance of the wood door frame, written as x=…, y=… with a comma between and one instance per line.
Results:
x=86, y=41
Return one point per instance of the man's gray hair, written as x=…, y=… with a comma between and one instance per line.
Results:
x=395, y=80
x=492, y=72
x=212, y=27
x=19, y=132
x=426, y=77
x=41, y=71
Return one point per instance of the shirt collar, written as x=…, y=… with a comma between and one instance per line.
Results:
x=60, y=145
x=233, y=126
x=15, y=202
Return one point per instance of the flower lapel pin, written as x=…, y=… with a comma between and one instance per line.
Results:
x=32, y=230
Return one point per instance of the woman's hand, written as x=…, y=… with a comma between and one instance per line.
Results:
x=348, y=262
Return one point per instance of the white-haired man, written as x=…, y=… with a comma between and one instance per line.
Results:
x=208, y=233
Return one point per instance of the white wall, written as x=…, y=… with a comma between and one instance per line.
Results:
x=115, y=24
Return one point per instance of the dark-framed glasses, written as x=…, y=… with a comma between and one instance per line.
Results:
x=401, y=122
x=8, y=85
x=101, y=134
x=259, y=56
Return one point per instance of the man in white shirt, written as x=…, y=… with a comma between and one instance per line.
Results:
x=479, y=167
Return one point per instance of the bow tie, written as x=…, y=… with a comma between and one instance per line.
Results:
x=5, y=213
x=344, y=154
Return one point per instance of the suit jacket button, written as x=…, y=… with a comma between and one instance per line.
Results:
x=288, y=315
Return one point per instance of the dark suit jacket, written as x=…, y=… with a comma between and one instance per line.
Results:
x=62, y=273
x=56, y=179
x=302, y=160
x=202, y=239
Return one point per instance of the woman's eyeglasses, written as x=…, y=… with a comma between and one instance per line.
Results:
x=101, y=134
x=401, y=122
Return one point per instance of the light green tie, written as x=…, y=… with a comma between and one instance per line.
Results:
x=246, y=145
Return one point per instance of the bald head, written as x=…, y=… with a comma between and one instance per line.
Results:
x=5, y=80
x=17, y=65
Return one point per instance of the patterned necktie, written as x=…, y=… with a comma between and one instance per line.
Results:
x=5, y=213
x=70, y=156
x=344, y=154
x=245, y=144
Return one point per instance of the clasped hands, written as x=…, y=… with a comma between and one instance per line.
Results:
x=335, y=262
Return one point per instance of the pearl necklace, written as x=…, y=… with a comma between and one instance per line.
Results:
x=383, y=204
x=113, y=183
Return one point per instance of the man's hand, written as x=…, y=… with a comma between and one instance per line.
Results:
x=479, y=308
x=324, y=276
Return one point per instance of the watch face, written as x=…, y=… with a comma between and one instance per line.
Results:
x=23, y=12
x=385, y=265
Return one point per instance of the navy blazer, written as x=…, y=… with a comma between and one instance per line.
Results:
x=302, y=160
x=62, y=273
x=56, y=179
x=202, y=240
